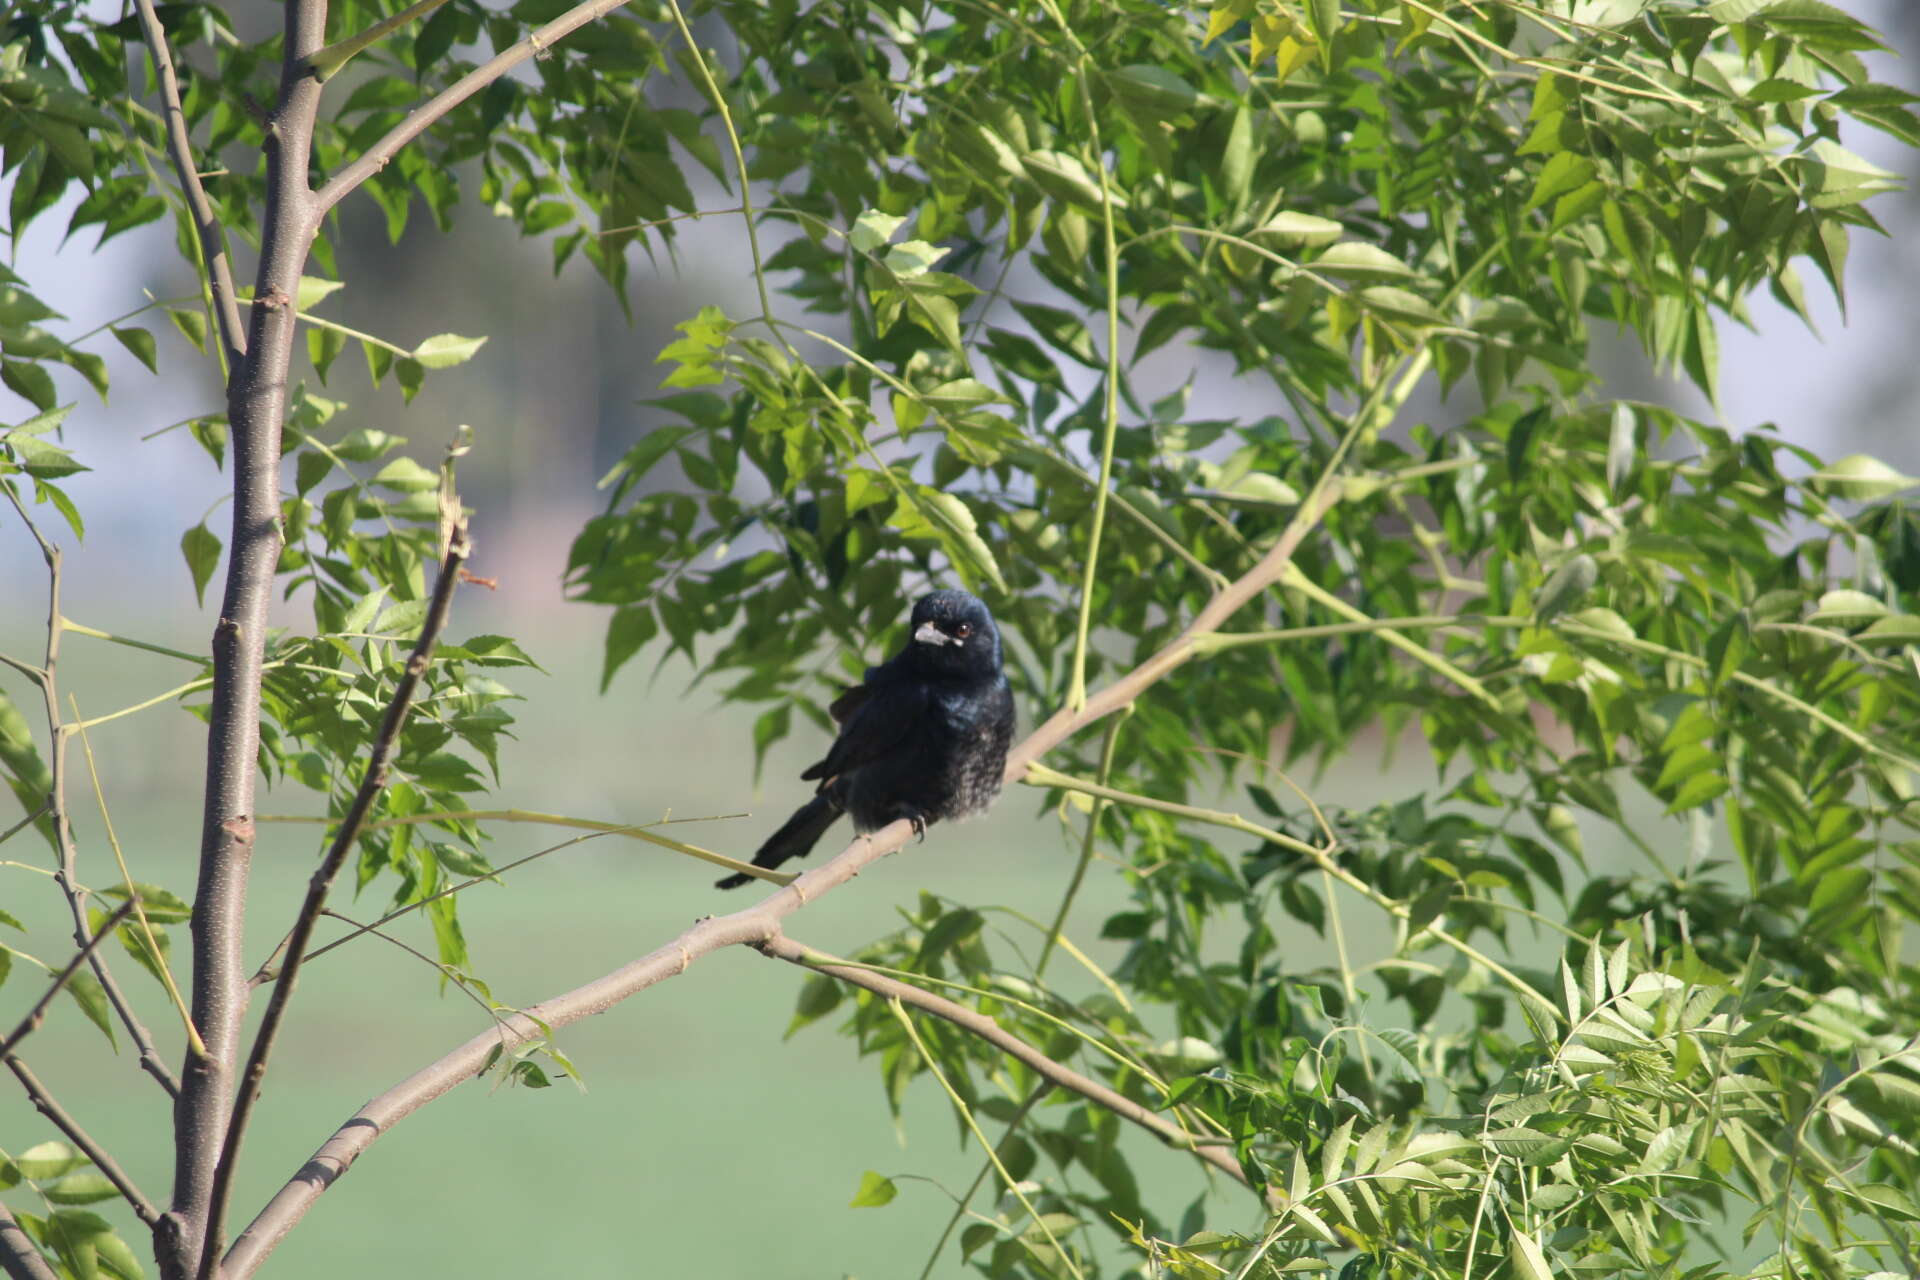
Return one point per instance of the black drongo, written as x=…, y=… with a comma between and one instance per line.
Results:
x=924, y=737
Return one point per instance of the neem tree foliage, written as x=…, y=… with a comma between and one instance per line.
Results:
x=1613, y=627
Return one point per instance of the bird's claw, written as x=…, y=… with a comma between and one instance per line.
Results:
x=919, y=825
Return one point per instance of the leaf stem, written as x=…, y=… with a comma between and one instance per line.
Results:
x=1108, y=741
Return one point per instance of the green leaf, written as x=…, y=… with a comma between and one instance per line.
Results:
x=873, y=229
x=367, y=444
x=161, y=906
x=444, y=350
x=912, y=258
x=140, y=342
x=1860, y=478
x=82, y=1187
x=1837, y=178
x=1155, y=92
x=18, y=307
x=201, y=547
x=1623, y=447
x=874, y=1191
x=1848, y=606
x=768, y=729
x=118, y=1257
x=152, y=958
x=30, y=381
x=310, y=468
x=404, y=475
x=323, y=348
x=1569, y=583
x=1565, y=172
x=192, y=326
x=960, y=533
x=1358, y=260
x=1696, y=791
x=632, y=626
x=46, y=1160
x=86, y=991
x=412, y=375
x=1237, y=159
x=1304, y=231
x=1727, y=648
x=1062, y=330
x=1529, y=1260
x=1062, y=176
x=313, y=291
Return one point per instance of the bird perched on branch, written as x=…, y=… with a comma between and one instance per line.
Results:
x=923, y=737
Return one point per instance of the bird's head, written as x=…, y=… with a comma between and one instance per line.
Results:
x=953, y=632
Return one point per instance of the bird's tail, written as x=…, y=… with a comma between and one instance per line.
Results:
x=795, y=839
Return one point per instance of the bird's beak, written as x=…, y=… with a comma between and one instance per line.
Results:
x=930, y=634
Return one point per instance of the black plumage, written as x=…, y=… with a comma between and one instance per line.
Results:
x=923, y=737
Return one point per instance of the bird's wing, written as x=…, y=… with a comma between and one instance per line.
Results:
x=879, y=717
x=848, y=704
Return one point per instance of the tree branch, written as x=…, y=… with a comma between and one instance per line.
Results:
x=57, y=1115
x=226, y=305
x=256, y=409
x=751, y=926
x=56, y=806
x=422, y=117
x=781, y=947
x=31, y=1022
x=371, y=784
x=20, y=1257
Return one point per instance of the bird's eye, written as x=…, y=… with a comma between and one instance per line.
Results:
x=962, y=631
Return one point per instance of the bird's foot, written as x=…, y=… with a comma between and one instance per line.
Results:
x=919, y=826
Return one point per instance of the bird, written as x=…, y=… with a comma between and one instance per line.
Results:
x=923, y=736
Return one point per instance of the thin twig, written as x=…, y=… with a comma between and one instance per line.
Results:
x=66, y=875
x=371, y=784
x=268, y=973
x=965, y=1199
x=445, y=970
x=422, y=117
x=641, y=832
x=784, y=948
x=226, y=304
x=56, y=1114
x=25, y=822
x=1012, y=1184
x=35, y=1015
x=133, y=894
x=1109, y=741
